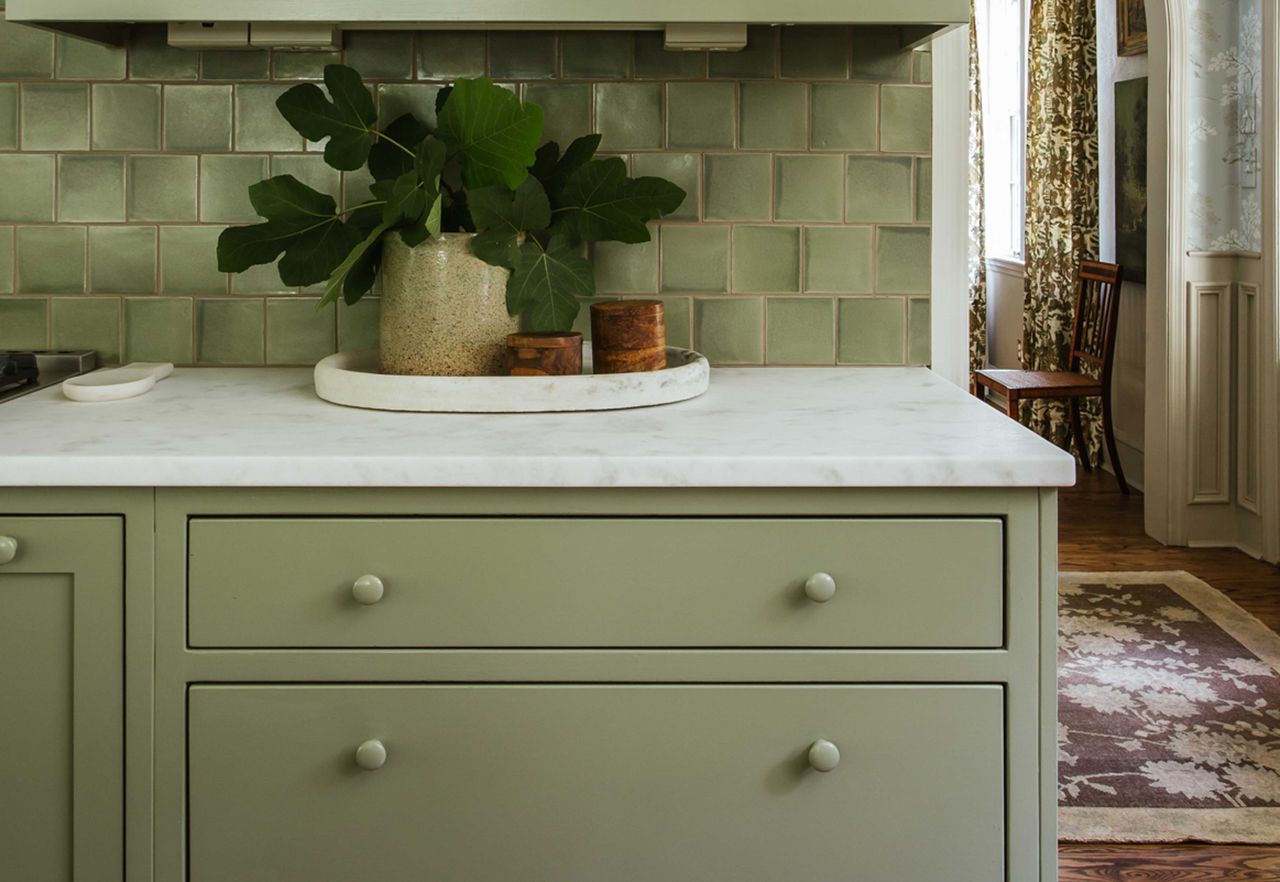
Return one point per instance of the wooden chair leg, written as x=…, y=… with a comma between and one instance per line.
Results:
x=1112, y=452
x=1077, y=429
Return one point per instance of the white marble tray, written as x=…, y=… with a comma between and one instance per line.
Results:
x=352, y=379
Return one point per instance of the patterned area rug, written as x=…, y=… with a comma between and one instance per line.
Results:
x=1168, y=713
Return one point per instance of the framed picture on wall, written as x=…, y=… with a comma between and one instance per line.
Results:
x=1131, y=178
x=1132, y=26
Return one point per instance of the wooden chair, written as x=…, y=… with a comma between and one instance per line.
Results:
x=1093, y=340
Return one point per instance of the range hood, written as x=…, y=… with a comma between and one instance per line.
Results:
x=710, y=24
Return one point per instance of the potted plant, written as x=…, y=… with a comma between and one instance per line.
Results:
x=472, y=226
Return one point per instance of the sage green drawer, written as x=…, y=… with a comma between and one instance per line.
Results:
x=593, y=582
x=590, y=783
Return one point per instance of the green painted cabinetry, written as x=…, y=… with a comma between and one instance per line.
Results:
x=61, y=699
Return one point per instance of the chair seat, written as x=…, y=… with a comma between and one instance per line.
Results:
x=1040, y=384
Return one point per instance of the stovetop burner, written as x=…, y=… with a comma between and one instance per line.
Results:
x=25, y=371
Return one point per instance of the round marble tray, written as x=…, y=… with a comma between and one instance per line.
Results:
x=352, y=378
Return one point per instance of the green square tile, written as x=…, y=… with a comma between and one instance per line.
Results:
x=879, y=188
x=701, y=114
x=6, y=260
x=729, y=330
x=355, y=188
x=82, y=60
x=681, y=169
x=655, y=62
x=55, y=116
x=122, y=260
x=522, y=55
x=918, y=331
x=815, y=52
x=906, y=119
x=622, y=268
x=380, y=55
x=358, y=325
x=27, y=194
x=189, y=261
x=800, y=330
x=261, y=279
x=8, y=116
x=566, y=109
x=158, y=329
x=307, y=65
x=677, y=316
x=91, y=188
x=629, y=115
x=878, y=57
x=25, y=52
x=235, y=64
x=739, y=186
x=162, y=188
x=450, y=55
x=152, y=58
x=924, y=190
x=51, y=260
x=922, y=67
x=837, y=260
x=774, y=116
x=224, y=187
x=759, y=61
x=24, y=323
x=88, y=323
x=197, y=118
x=695, y=258
x=902, y=260
x=298, y=333
x=766, y=259
x=809, y=188
x=595, y=55
x=845, y=116
x=311, y=170
x=126, y=116
x=872, y=330
x=230, y=331
x=397, y=99
x=259, y=125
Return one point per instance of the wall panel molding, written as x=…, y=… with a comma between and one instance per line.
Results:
x=1208, y=392
x=1248, y=395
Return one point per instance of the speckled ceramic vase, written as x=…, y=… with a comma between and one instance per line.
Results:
x=444, y=310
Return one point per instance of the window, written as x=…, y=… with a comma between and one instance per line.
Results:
x=1002, y=30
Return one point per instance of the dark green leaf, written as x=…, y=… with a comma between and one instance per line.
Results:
x=406, y=200
x=544, y=164
x=503, y=216
x=577, y=154
x=441, y=97
x=386, y=158
x=603, y=204
x=285, y=197
x=355, y=261
x=364, y=270
x=496, y=133
x=496, y=248
x=546, y=285
x=347, y=120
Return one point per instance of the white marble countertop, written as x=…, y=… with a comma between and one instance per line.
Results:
x=755, y=427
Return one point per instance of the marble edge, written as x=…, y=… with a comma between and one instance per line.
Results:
x=535, y=472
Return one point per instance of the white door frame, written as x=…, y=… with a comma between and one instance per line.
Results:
x=949, y=298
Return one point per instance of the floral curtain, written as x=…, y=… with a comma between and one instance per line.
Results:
x=1062, y=194
x=977, y=211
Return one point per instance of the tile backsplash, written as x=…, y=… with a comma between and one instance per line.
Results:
x=804, y=239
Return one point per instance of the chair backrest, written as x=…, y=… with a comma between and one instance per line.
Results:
x=1097, y=312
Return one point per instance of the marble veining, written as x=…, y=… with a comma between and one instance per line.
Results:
x=754, y=427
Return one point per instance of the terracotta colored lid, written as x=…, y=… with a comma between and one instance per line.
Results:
x=545, y=340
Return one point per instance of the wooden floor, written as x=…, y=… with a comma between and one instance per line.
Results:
x=1101, y=530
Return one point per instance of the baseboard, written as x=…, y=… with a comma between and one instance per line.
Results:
x=1134, y=462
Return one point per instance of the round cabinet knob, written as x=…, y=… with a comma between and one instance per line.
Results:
x=372, y=755
x=8, y=549
x=820, y=587
x=823, y=755
x=368, y=590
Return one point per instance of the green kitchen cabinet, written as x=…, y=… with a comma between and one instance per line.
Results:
x=62, y=699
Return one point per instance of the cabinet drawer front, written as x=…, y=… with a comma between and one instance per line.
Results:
x=570, y=582
x=585, y=783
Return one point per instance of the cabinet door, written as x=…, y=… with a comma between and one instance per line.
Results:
x=61, y=699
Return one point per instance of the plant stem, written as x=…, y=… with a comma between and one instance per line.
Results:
x=393, y=142
x=369, y=204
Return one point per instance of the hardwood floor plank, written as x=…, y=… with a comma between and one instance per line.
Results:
x=1101, y=530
